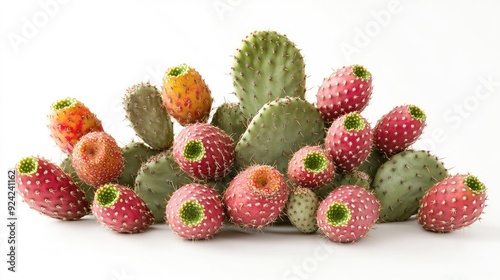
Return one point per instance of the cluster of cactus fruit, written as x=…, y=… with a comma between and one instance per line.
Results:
x=271, y=158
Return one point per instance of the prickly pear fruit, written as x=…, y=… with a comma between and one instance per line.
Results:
x=134, y=155
x=456, y=202
x=120, y=209
x=185, y=95
x=231, y=119
x=67, y=166
x=267, y=66
x=279, y=129
x=256, y=196
x=301, y=209
x=348, y=89
x=157, y=179
x=195, y=211
x=69, y=120
x=349, y=140
x=311, y=167
x=401, y=182
x=48, y=190
x=348, y=213
x=97, y=159
x=398, y=129
x=204, y=151
x=148, y=117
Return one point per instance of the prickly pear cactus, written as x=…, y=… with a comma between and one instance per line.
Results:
x=402, y=181
x=134, y=153
x=301, y=209
x=67, y=167
x=231, y=119
x=358, y=178
x=267, y=66
x=157, y=179
x=148, y=117
x=279, y=129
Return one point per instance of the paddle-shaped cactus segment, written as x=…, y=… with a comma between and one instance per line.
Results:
x=267, y=66
x=134, y=154
x=157, y=180
x=148, y=117
x=279, y=129
x=231, y=119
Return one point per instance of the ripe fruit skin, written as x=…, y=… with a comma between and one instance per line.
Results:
x=348, y=213
x=348, y=89
x=204, y=151
x=69, y=120
x=121, y=209
x=311, y=167
x=454, y=203
x=186, y=95
x=98, y=159
x=48, y=190
x=256, y=196
x=195, y=211
x=398, y=129
x=349, y=140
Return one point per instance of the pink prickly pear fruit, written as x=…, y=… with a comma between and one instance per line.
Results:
x=311, y=167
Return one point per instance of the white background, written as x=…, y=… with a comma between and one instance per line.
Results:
x=442, y=56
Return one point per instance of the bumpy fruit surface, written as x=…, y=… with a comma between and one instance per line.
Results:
x=195, y=211
x=348, y=213
x=348, y=89
x=48, y=190
x=69, y=120
x=301, y=209
x=120, y=209
x=456, y=202
x=256, y=196
x=398, y=129
x=349, y=140
x=204, y=151
x=97, y=159
x=311, y=167
x=186, y=95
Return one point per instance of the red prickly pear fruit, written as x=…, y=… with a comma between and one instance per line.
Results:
x=349, y=140
x=311, y=167
x=121, y=209
x=348, y=89
x=195, y=211
x=256, y=196
x=398, y=129
x=69, y=120
x=348, y=213
x=97, y=159
x=454, y=203
x=47, y=189
x=204, y=151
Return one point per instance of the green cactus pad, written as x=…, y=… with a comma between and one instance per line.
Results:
x=301, y=209
x=338, y=214
x=135, y=154
x=192, y=213
x=157, y=180
x=279, y=129
x=27, y=166
x=358, y=178
x=63, y=103
x=371, y=165
x=402, y=181
x=148, y=116
x=267, y=66
x=107, y=195
x=231, y=119
x=474, y=184
x=361, y=72
x=89, y=191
